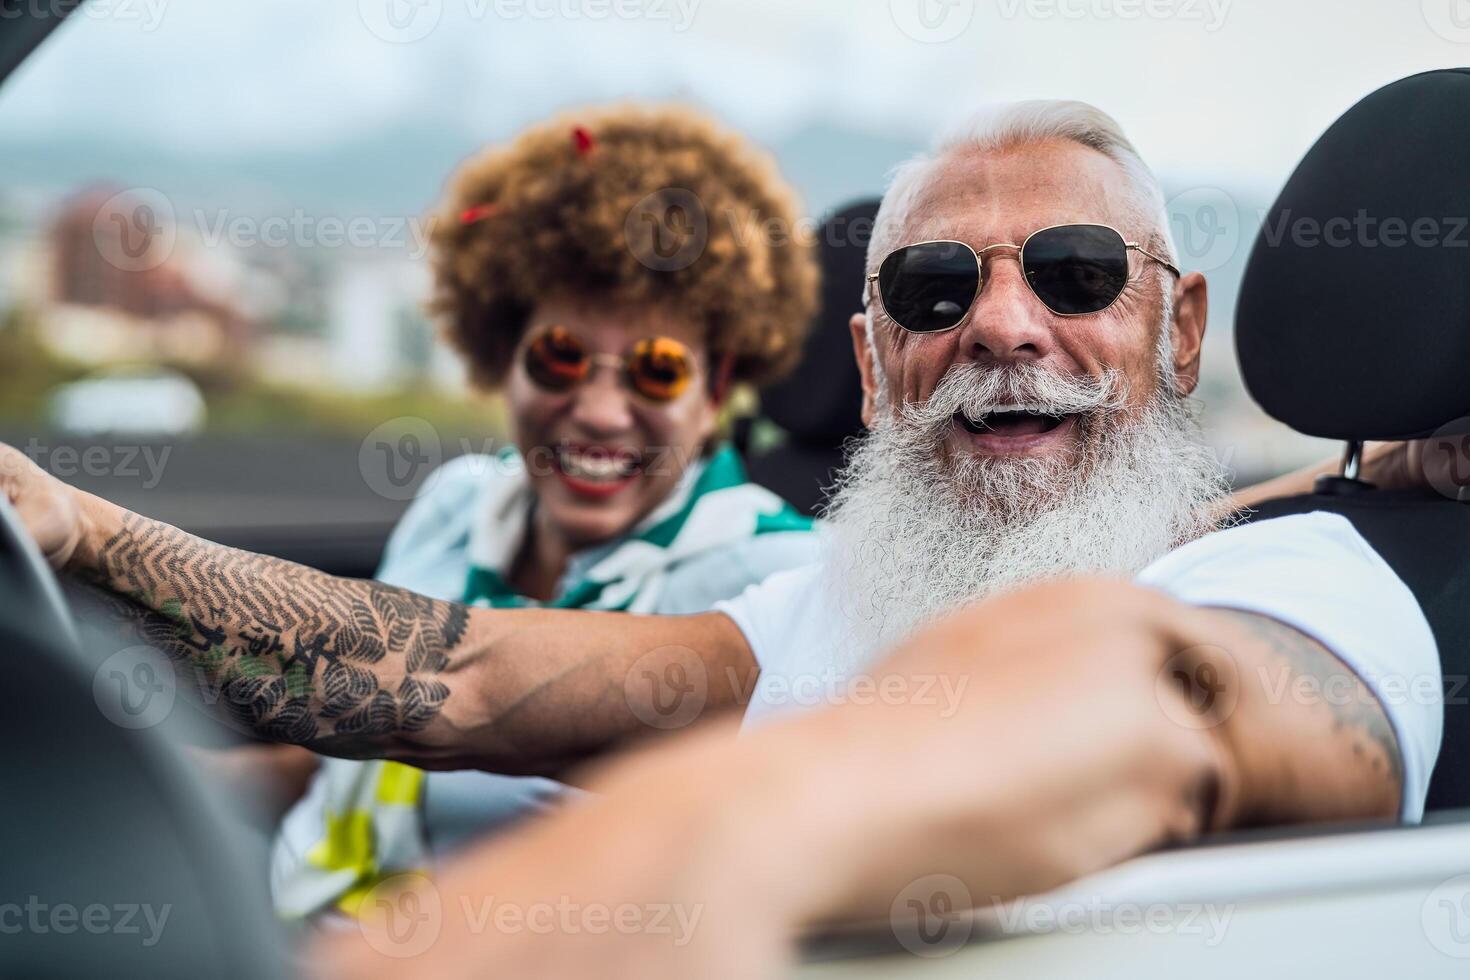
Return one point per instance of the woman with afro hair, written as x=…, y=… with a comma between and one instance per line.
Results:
x=615, y=273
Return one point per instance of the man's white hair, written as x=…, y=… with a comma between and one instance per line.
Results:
x=1018, y=123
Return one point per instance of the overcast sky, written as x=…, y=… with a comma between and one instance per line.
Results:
x=1215, y=93
x=1228, y=87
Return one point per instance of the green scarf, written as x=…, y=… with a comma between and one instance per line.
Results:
x=714, y=506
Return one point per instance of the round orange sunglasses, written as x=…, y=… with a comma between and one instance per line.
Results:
x=657, y=368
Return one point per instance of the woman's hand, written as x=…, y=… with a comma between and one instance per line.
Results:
x=1438, y=462
x=269, y=777
x=51, y=511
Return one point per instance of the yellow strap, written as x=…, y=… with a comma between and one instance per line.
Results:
x=349, y=842
x=400, y=783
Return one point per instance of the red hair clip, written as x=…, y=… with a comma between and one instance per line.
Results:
x=478, y=213
x=583, y=141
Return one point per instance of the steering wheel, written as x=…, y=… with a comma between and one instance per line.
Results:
x=29, y=588
x=112, y=811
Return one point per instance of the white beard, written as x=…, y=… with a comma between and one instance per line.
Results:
x=913, y=535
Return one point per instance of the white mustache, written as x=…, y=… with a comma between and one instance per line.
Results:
x=978, y=389
x=915, y=533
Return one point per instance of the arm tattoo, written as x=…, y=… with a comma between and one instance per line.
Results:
x=296, y=655
x=1356, y=716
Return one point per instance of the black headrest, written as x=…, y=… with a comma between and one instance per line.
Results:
x=1353, y=320
x=822, y=399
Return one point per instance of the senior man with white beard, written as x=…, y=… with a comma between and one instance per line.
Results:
x=1026, y=369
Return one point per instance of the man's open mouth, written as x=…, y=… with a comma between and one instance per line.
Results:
x=1012, y=420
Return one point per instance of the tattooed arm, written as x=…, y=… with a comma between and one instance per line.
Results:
x=1313, y=739
x=360, y=669
x=292, y=654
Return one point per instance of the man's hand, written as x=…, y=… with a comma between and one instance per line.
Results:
x=50, y=510
x=1105, y=720
x=1056, y=761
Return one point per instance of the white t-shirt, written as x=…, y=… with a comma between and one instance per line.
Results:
x=1313, y=572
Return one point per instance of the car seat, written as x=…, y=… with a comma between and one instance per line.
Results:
x=1353, y=323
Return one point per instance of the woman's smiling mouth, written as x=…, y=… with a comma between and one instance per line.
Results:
x=597, y=471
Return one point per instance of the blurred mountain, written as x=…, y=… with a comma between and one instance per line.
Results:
x=397, y=170
x=831, y=166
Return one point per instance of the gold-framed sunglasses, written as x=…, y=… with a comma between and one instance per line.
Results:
x=1074, y=270
x=658, y=368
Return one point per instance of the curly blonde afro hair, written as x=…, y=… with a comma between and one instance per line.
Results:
x=635, y=205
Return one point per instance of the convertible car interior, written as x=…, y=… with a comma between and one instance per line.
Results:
x=96, y=808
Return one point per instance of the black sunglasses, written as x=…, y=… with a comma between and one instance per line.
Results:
x=1073, y=269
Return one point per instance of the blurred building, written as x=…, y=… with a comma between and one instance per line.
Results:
x=369, y=333
x=125, y=285
x=377, y=306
